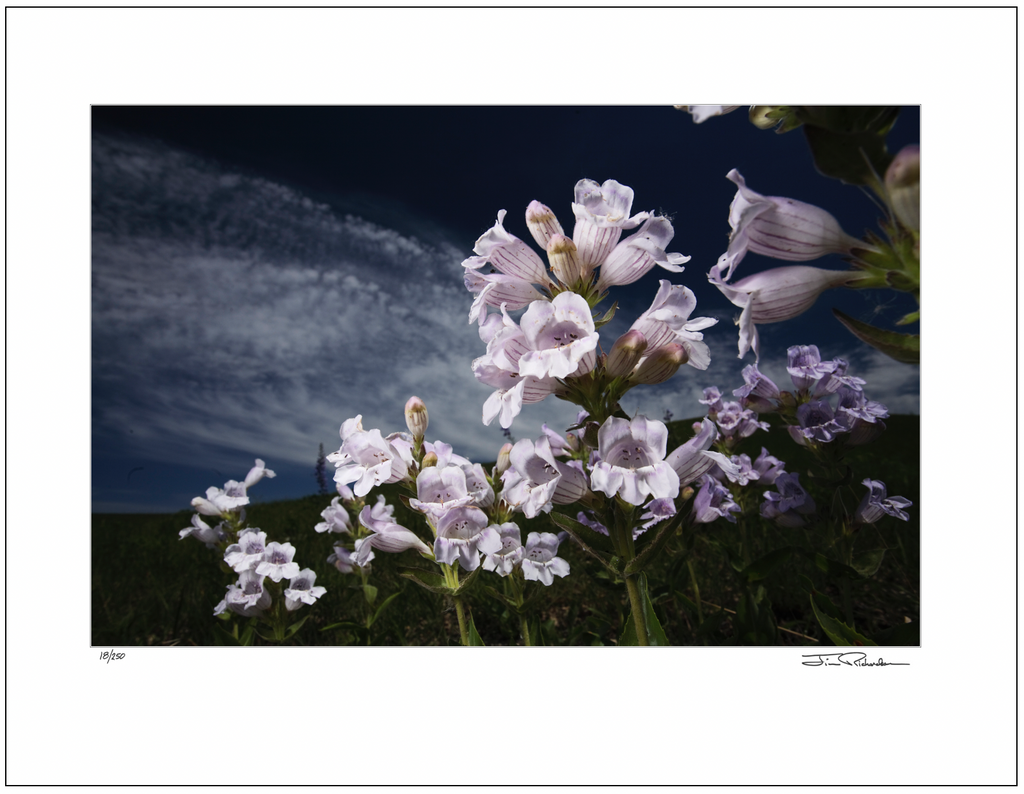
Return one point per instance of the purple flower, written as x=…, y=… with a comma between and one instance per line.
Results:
x=768, y=468
x=508, y=255
x=588, y=520
x=712, y=399
x=463, y=534
x=831, y=382
x=758, y=390
x=875, y=504
x=539, y=561
x=854, y=408
x=510, y=554
x=806, y=367
x=788, y=503
x=736, y=422
x=702, y=113
x=818, y=422
x=657, y=511
x=713, y=501
x=302, y=589
x=632, y=463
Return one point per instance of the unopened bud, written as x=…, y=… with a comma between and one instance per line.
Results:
x=625, y=353
x=903, y=181
x=504, y=461
x=430, y=459
x=542, y=223
x=661, y=365
x=565, y=263
x=416, y=417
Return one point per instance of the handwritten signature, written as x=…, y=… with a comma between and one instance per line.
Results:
x=850, y=658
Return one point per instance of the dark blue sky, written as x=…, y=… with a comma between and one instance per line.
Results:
x=250, y=266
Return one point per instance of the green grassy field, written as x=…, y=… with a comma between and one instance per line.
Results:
x=149, y=588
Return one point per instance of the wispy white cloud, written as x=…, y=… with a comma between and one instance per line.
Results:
x=235, y=317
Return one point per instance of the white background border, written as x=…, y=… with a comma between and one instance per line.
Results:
x=553, y=716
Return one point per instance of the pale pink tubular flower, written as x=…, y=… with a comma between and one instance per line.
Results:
x=539, y=561
x=277, y=562
x=302, y=589
x=463, y=534
x=694, y=458
x=668, y=321
x=335, y=518
x=440, y=489
x=602, y=212
x=257, y=473
x=776, y=295
x=505, y=559
x=632, y=463
x=203, y=532
x=387, y=535
x=366, y=458
x=559, y=334
x=219, y=503
x=632, y=258
x=248, y=552
x=781, y=228
x=702, y=113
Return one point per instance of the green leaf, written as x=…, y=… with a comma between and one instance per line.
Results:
x=833, y=568
x=607, y=316
x=901, y=347
x=380, y=609
x=466, y=583
x=370, y=592
x=344, y=624
x=868, y=562
x=710, y=624
x=760, y=568
x=294, y=627
x=655, y=633
x=849, y=119
x=433, y=582
x=903, y=282
x=653, y=545
x=474, y=635
x=837, y=631
x=585, y=536
x=907, y=319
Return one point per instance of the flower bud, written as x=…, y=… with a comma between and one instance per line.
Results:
x=429, y=460
x=416, y=417
x=625, y=353
x=542, y=223
x=565, y=263
x=903, y=181
x=661, y=365
x=504, y=460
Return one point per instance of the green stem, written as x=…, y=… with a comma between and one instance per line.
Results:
x=463, y=626
x=639, y=613
x=524, y=627
x=696, y=590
